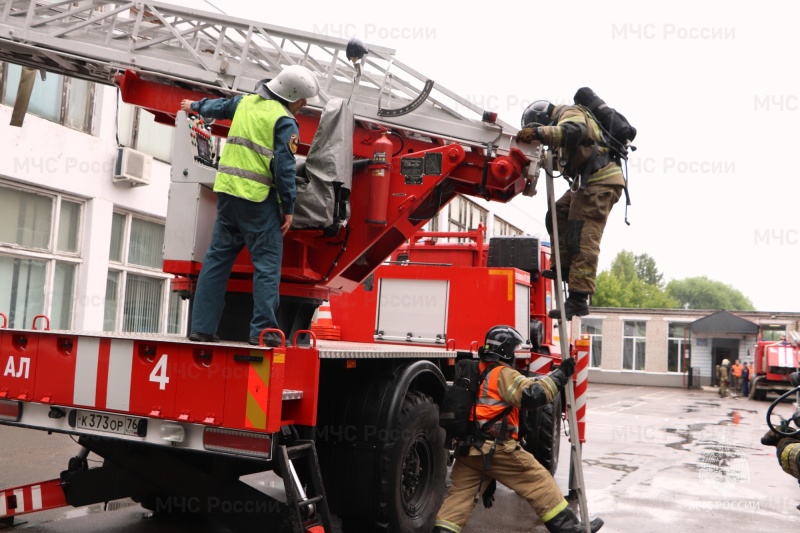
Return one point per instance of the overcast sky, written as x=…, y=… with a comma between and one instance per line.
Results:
x=712, y=87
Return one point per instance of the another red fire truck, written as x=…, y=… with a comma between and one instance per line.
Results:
x=351, y=427
x=772, y=364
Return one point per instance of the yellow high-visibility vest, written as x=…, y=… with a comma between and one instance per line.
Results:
x=244, y=168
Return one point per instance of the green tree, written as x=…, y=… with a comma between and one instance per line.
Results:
x=703, y=293
x=624, y=266
x=632, y=281
x=615, y=291
x=647, y=271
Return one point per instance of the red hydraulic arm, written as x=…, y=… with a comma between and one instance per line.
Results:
x=425, y=173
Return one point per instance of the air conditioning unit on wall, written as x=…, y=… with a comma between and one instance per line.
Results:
x=132, y=167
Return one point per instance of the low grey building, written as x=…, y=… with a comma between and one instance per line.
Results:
x=673, y=347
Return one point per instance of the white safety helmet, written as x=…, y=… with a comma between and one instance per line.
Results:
x=294, y=83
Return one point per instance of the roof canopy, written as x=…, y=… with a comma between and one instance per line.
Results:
x=723, y=322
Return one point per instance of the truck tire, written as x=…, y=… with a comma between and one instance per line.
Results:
x=757, y=393
x=414, y=469
x=543, y=435
x=412, y=474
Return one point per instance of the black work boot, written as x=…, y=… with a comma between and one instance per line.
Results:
x=567, y=522
x=550, y=273
x=576, y=305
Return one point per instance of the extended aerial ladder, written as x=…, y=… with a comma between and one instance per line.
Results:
x=158, y=54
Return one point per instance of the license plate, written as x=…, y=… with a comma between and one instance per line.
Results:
x=119, y=424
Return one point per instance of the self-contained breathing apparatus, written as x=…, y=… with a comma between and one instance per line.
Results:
x=616, y=136
x=458, y=413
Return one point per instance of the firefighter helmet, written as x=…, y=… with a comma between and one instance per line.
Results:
x=500, y=343
x=539, y=112
x=294, y=83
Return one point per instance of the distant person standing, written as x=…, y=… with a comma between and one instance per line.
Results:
x=736, y=378
x=745, y=380
x=723, y=374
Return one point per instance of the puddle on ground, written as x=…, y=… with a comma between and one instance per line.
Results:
x=613, y=466
x=628, y=454
x=685, y=435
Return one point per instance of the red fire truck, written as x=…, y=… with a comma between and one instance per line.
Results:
x=456, y=285
x=351, y=427
x=772, y=364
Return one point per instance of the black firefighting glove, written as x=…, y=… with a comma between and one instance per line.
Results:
x=567, y=366
x=526, y=135
x=770, y=438
x=488, y=494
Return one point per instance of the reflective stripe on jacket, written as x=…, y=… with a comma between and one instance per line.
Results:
x=490, y=404
x=245, y=166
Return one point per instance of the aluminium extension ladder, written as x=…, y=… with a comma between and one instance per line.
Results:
x=577, y=487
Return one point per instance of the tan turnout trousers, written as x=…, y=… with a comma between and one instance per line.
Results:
x=513, y=467
x=582, y=217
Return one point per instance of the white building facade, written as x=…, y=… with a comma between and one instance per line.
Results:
x=74, y=245
x=662, y=347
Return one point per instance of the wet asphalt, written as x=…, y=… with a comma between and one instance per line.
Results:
x=658, y=460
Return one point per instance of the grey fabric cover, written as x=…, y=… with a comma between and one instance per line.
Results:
x=330, y=159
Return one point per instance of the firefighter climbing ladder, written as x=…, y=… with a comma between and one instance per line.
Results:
x=219, y=54
x=577, y=487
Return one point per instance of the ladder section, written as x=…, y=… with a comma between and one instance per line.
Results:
x=220, y=54
x=307, y=503
x=577, y=486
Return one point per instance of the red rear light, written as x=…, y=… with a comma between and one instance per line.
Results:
x=10, y=410
x=238, y=442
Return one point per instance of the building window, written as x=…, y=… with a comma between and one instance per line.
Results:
x=679, y=347
x=58, y=98
x=593, y=327
x=503, y=228
x=138, y=295
x=633, y=345
x=432, y=224
x=466, y=215
x=139, y=130
x=772, y=333
x=39, y=256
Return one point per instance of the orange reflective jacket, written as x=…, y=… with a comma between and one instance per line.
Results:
x=491, y=405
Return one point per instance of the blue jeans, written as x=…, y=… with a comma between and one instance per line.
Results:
x=241, y=223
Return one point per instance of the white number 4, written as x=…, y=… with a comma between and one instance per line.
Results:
x=159, y=373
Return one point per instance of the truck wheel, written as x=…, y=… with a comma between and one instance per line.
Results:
x=755, y=392
x=543, y=437
x=414, y=470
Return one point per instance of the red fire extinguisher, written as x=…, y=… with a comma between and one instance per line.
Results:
x=381, y=171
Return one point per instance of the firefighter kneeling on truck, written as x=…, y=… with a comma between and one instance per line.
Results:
x=496, y=454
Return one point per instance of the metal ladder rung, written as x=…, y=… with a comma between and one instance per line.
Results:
x=310, y=501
